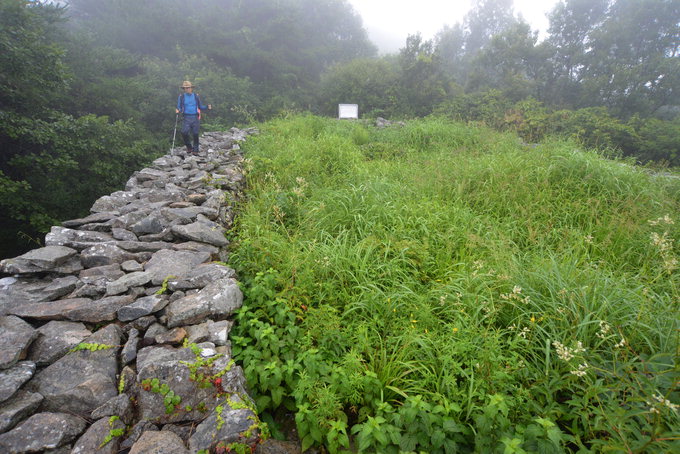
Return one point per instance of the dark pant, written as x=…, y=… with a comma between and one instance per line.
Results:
x=190, y=126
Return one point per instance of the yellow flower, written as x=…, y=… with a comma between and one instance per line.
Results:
x=455, y=330
x=533, y=319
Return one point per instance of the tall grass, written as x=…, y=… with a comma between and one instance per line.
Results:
x=525, y=297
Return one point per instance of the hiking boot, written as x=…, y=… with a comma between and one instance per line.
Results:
x=189, y=149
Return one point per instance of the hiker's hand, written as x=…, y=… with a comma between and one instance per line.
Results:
x=176, y=111
x=209, y=106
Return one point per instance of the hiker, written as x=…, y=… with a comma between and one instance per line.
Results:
x=189, y=105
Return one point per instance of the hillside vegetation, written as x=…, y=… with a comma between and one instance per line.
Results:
x=438, y=287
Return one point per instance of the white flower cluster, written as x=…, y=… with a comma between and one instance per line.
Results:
x=325, y=262
x=516, y=295
x=661, y=401
x=566, y=353
x=604, y=329
x=664, y=220
x=300, y=189
x=665, y=244
x=581, y=371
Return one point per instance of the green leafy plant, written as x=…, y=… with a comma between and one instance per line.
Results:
x=92, y=347
x=113, y=433
x=164, y=285
x=171, y=401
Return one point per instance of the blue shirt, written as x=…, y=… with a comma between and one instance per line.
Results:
x=191, y=104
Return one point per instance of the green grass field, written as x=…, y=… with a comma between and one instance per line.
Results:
x=442, y=288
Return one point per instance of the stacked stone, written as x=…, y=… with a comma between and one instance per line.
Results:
x=92, y=325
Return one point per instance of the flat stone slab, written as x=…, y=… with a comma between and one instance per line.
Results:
x=55, y=339
x=214, y=332
x=15, y=337
x=91, y=441
x=155, y=442
x=143, y=246
x=14, y=410
x=124, y=283
x=117, y=406
x=234, y=422
x=142, y=307
x=75, y=239
x=113, y=202
x=74, y=309
x=19, y=291
x=42, y=432
x=83, y=380
x=104, y=254
x=129, y=352
x=91, y=219
x=201, y=276
x=38, y=260
x=167, y=263
x=13, y=378
x=198, y=231
x=168, y=366
x=218, y=300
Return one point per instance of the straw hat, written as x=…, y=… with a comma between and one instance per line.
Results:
x=187, y=84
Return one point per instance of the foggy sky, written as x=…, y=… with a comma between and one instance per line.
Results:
x=389, y=22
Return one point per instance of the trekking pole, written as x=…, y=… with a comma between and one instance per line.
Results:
x=174, y=134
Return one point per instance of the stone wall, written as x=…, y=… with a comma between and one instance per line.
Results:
x=114, y=336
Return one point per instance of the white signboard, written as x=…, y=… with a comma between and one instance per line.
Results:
x=348, y=111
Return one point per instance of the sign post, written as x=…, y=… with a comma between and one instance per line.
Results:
x=348, y=111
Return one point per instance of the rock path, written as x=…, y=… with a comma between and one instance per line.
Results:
x=114, y=336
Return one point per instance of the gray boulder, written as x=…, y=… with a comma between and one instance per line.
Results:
x=41, y=432
x=117, y=406
x=122, y=285
x=14, y=410
x=112, y=202
x=166, y=263
x=91, y=219
x=131, y=266
x=20, y=291
x=123, y=234
x=136, y=432
x=273, y=446
x=75, y=309
x=38, y=260
x=92, y=440
x=171, y=367
x=195, y=246
x=155, y=442
x=76, y=239
x=233, y=425
x=218, y=300
x=199, y=231
x=153, y=223
x=142, y=307
x=129, y=352
x=83, y=380
x=15, y=337
x=55, y=339
x=104, y=254
x=13, y=378
x=201, y=276
x=143, y=246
